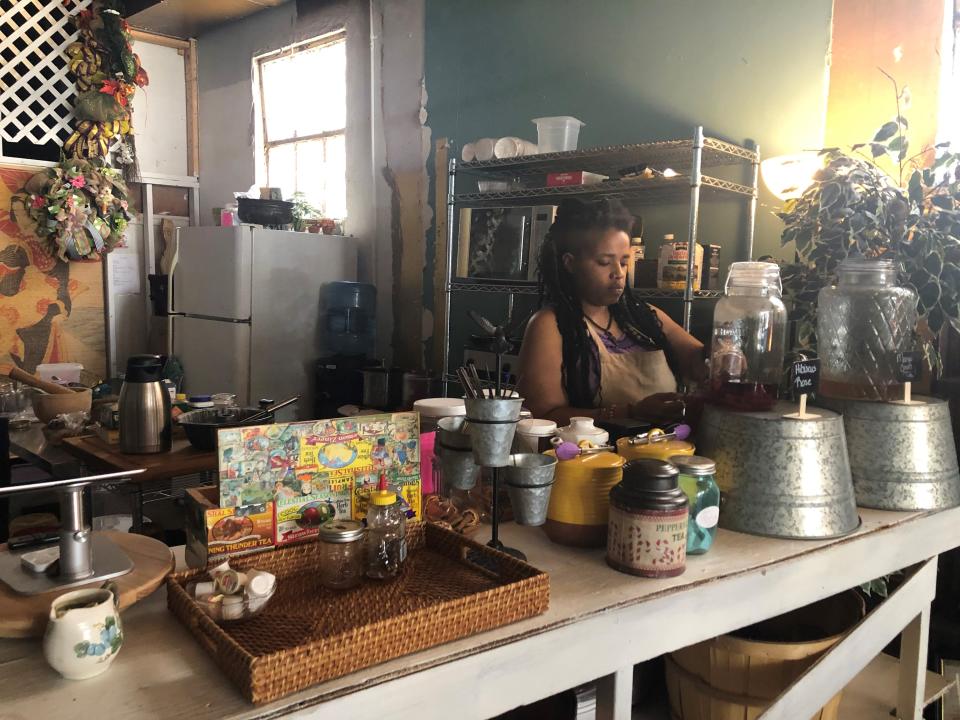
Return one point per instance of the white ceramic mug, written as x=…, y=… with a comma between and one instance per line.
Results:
x=84, y=633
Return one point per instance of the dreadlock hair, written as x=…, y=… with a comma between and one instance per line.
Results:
x=568, y=234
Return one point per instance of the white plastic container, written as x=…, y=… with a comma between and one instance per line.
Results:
x=511, y=147
x=557, y=134
x=432, y=409
x=533, y=435
x=483, y=149
x=62, y=373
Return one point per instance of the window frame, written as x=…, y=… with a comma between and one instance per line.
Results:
x=263, y=141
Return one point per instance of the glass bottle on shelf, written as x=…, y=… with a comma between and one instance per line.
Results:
x=386, y=533
x=749, y=336
x=698, y=482
x=862, y=323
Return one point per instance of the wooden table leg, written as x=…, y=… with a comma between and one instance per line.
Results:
x=913, y=667
x=615, y=695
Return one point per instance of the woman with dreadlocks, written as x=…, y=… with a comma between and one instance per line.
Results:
x=594, y=349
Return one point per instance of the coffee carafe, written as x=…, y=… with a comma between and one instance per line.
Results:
x=144, y=407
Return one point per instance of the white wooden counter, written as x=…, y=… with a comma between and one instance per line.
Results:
x=599, y=624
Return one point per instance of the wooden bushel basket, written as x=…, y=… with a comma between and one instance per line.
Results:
x=732, y=677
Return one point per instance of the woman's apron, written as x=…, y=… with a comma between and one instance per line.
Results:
x=627, y=378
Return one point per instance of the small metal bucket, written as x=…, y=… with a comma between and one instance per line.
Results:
x=451, y=433
x=529, y=482
x=457, y=468
x=778, y=476
x=902, y=457
x=492, y=424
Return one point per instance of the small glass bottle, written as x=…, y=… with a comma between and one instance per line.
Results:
x=386, y=533
x=698, y=482
x=341, y=554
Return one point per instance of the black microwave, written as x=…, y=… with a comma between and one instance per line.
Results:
x=502, y=243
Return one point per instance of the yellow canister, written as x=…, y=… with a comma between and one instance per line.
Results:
x=580, y=501
x=655, y=449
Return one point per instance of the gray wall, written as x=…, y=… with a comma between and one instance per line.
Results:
x=634, y=71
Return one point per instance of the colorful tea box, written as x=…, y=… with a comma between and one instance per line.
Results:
x=214, y=533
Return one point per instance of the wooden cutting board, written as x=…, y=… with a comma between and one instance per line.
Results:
x=26, y=615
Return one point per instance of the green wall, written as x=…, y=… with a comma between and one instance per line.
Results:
x=633, y=71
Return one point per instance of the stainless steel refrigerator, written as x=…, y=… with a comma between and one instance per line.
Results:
x=245, y=306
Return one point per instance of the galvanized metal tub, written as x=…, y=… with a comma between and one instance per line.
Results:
x=779, y=476
x=902, y=457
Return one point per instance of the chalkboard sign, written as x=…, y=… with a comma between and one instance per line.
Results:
x=909, y=365
x=805, y=377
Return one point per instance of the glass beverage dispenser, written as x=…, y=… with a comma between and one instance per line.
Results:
x=749, y=335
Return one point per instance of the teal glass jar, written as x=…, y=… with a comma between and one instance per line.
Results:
x=700, y=486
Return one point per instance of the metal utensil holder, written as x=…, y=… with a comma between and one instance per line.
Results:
x=85, y=557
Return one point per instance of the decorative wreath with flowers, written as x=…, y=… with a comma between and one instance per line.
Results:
x=78, y=208
x=107, y=73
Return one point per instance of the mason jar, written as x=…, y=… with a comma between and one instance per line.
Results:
x=341, y=550
x=749, y=337
x=862, y=323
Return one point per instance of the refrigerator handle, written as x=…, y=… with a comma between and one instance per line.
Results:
x=171, y=272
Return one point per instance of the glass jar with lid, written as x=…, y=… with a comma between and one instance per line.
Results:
x=699, y=484
x=862, y=323
x=341, y=554
x=749, y=338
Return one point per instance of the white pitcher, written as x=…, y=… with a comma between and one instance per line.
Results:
x=84, y=633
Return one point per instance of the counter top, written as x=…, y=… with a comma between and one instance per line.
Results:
x=599, y=622
x=182, y=459
x=32, y=446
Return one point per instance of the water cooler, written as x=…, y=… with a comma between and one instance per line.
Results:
x=349, y=334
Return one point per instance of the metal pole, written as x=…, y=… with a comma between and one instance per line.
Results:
x=694, y=220
x=448, y=275
x=495, y=515
x=752, y=205
x=76, y=550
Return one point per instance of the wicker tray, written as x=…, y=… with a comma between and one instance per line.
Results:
x=308, y=634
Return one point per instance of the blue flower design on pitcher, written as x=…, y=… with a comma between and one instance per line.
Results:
x=111, y=638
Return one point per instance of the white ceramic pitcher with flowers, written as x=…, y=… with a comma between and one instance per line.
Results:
x=84, y=633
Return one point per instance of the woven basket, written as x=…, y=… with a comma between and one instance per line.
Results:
x=308, y=634
x=735, y=678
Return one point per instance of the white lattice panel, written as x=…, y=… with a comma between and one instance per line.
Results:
x=36, y=94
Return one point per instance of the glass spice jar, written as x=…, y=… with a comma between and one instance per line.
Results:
x=698, y=482
x=341, y=554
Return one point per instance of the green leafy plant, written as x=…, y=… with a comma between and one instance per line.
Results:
x=855, y=207
x=303, y=211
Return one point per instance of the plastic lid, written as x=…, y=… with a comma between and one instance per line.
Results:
x=440, y=407
x=383, y=497
x=537, y=428
x=694, y=464
x=754, y=274
x=181, y=397
x=144, y=368
x=668, y=237
x=341, y=531
x=200, y=398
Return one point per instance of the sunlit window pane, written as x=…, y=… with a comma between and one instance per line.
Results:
x=305, y=93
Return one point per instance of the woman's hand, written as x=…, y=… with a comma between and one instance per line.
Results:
x=659, y=408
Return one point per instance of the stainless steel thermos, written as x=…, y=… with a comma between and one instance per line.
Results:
x=144, y=407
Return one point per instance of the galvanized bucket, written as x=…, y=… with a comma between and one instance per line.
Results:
x=902, y=457
x=492, y=424
x=529, y=482
x=452, y=433
x=457, y=468
x=779, y=476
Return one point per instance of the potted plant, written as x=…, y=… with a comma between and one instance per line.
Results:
x=303, y=213
x=855, y=207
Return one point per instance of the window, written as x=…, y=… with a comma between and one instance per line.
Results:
x=303, y=104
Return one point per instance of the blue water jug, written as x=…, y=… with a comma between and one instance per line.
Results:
x=351, y=318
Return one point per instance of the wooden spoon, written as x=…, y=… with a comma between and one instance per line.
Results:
x=15, y=373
